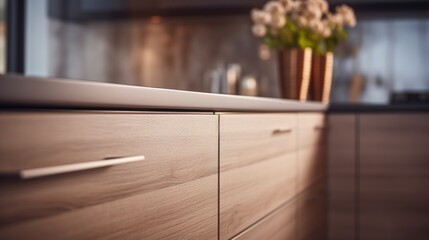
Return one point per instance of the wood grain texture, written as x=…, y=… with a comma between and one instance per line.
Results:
x=312, y=129
x=180, y=169
x=279, y=225
x=394, y=176
x=249, y=138
x=185, y=211
x=341, y=178
x=312, y=166
x=249, y=193
x=312, y=213
x=312, y=133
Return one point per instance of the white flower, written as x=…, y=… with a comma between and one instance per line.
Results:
x=260, y=17
x=303, y=21
x=326, y=32
x=311, y=9
x=317, y=27
x=335, y=20
x=259, y=30
x=289, y=5
x=323, y=5
x=278, y=21
x=347, y=14
x=274, y=7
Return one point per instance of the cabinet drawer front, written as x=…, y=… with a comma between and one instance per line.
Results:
x=180, y=168
x=279, y=225
x=312, y=129
x=251, y=192
x=257, y=167
x=249, y=138
x=312, y=166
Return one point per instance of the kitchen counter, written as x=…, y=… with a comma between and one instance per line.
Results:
x=377, y=108
x=34, y=92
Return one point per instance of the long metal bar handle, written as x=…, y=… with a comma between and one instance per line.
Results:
x=55, y=170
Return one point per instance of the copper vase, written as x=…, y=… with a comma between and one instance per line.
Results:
x=295, y=69
x=321, y=76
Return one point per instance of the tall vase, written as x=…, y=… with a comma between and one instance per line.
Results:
x=321, y=76
x=295, y=69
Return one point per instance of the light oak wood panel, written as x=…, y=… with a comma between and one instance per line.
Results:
x=312, y=213
x=341, y=169
x=394, y=176
x=311, y=149
x=179, y=149
x=185, y=211
x=279, y=225
x=249, y=138
x=312, y=129
x=312, y=166
x=249, y=193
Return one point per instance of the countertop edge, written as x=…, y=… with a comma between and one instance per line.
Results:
x=22, y=91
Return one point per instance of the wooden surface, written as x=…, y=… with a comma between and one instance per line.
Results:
x=312, y=129
x=312, y=213
x=185, y=211
x=279, y=225
x=172, y=193
x=251, y=192
x=341, y=178
x=394, y=176
x=250, y=138
x=257, y=168
x=311, y=149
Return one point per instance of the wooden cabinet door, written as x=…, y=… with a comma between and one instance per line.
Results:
x=311, y=149
x=257, y=168
x=394, y=176
x=312, y=213
x=171, y=194
x=341, y=176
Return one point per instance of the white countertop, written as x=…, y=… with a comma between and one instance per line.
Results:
x=20, y=91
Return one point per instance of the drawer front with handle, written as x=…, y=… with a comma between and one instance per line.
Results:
x=105, y=175
x=257, y=168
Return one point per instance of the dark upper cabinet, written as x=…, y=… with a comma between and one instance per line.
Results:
x=85, y=10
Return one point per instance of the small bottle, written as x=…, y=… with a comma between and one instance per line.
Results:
x=248, y=86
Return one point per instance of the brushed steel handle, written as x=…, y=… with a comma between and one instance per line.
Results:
x=55, y=170
x=282, y=130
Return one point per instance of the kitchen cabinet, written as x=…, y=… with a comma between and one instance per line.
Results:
x=342, y=176
x=394, y=176
x=171, y=194
x=267, y=160
x=379, y=176
x=311, y=149
x=197, y=175
x=312, y=213
x=257, y=167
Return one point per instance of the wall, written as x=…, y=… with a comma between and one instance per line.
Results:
x=169, y=52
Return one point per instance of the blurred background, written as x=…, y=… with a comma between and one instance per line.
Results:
x=183, y=44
